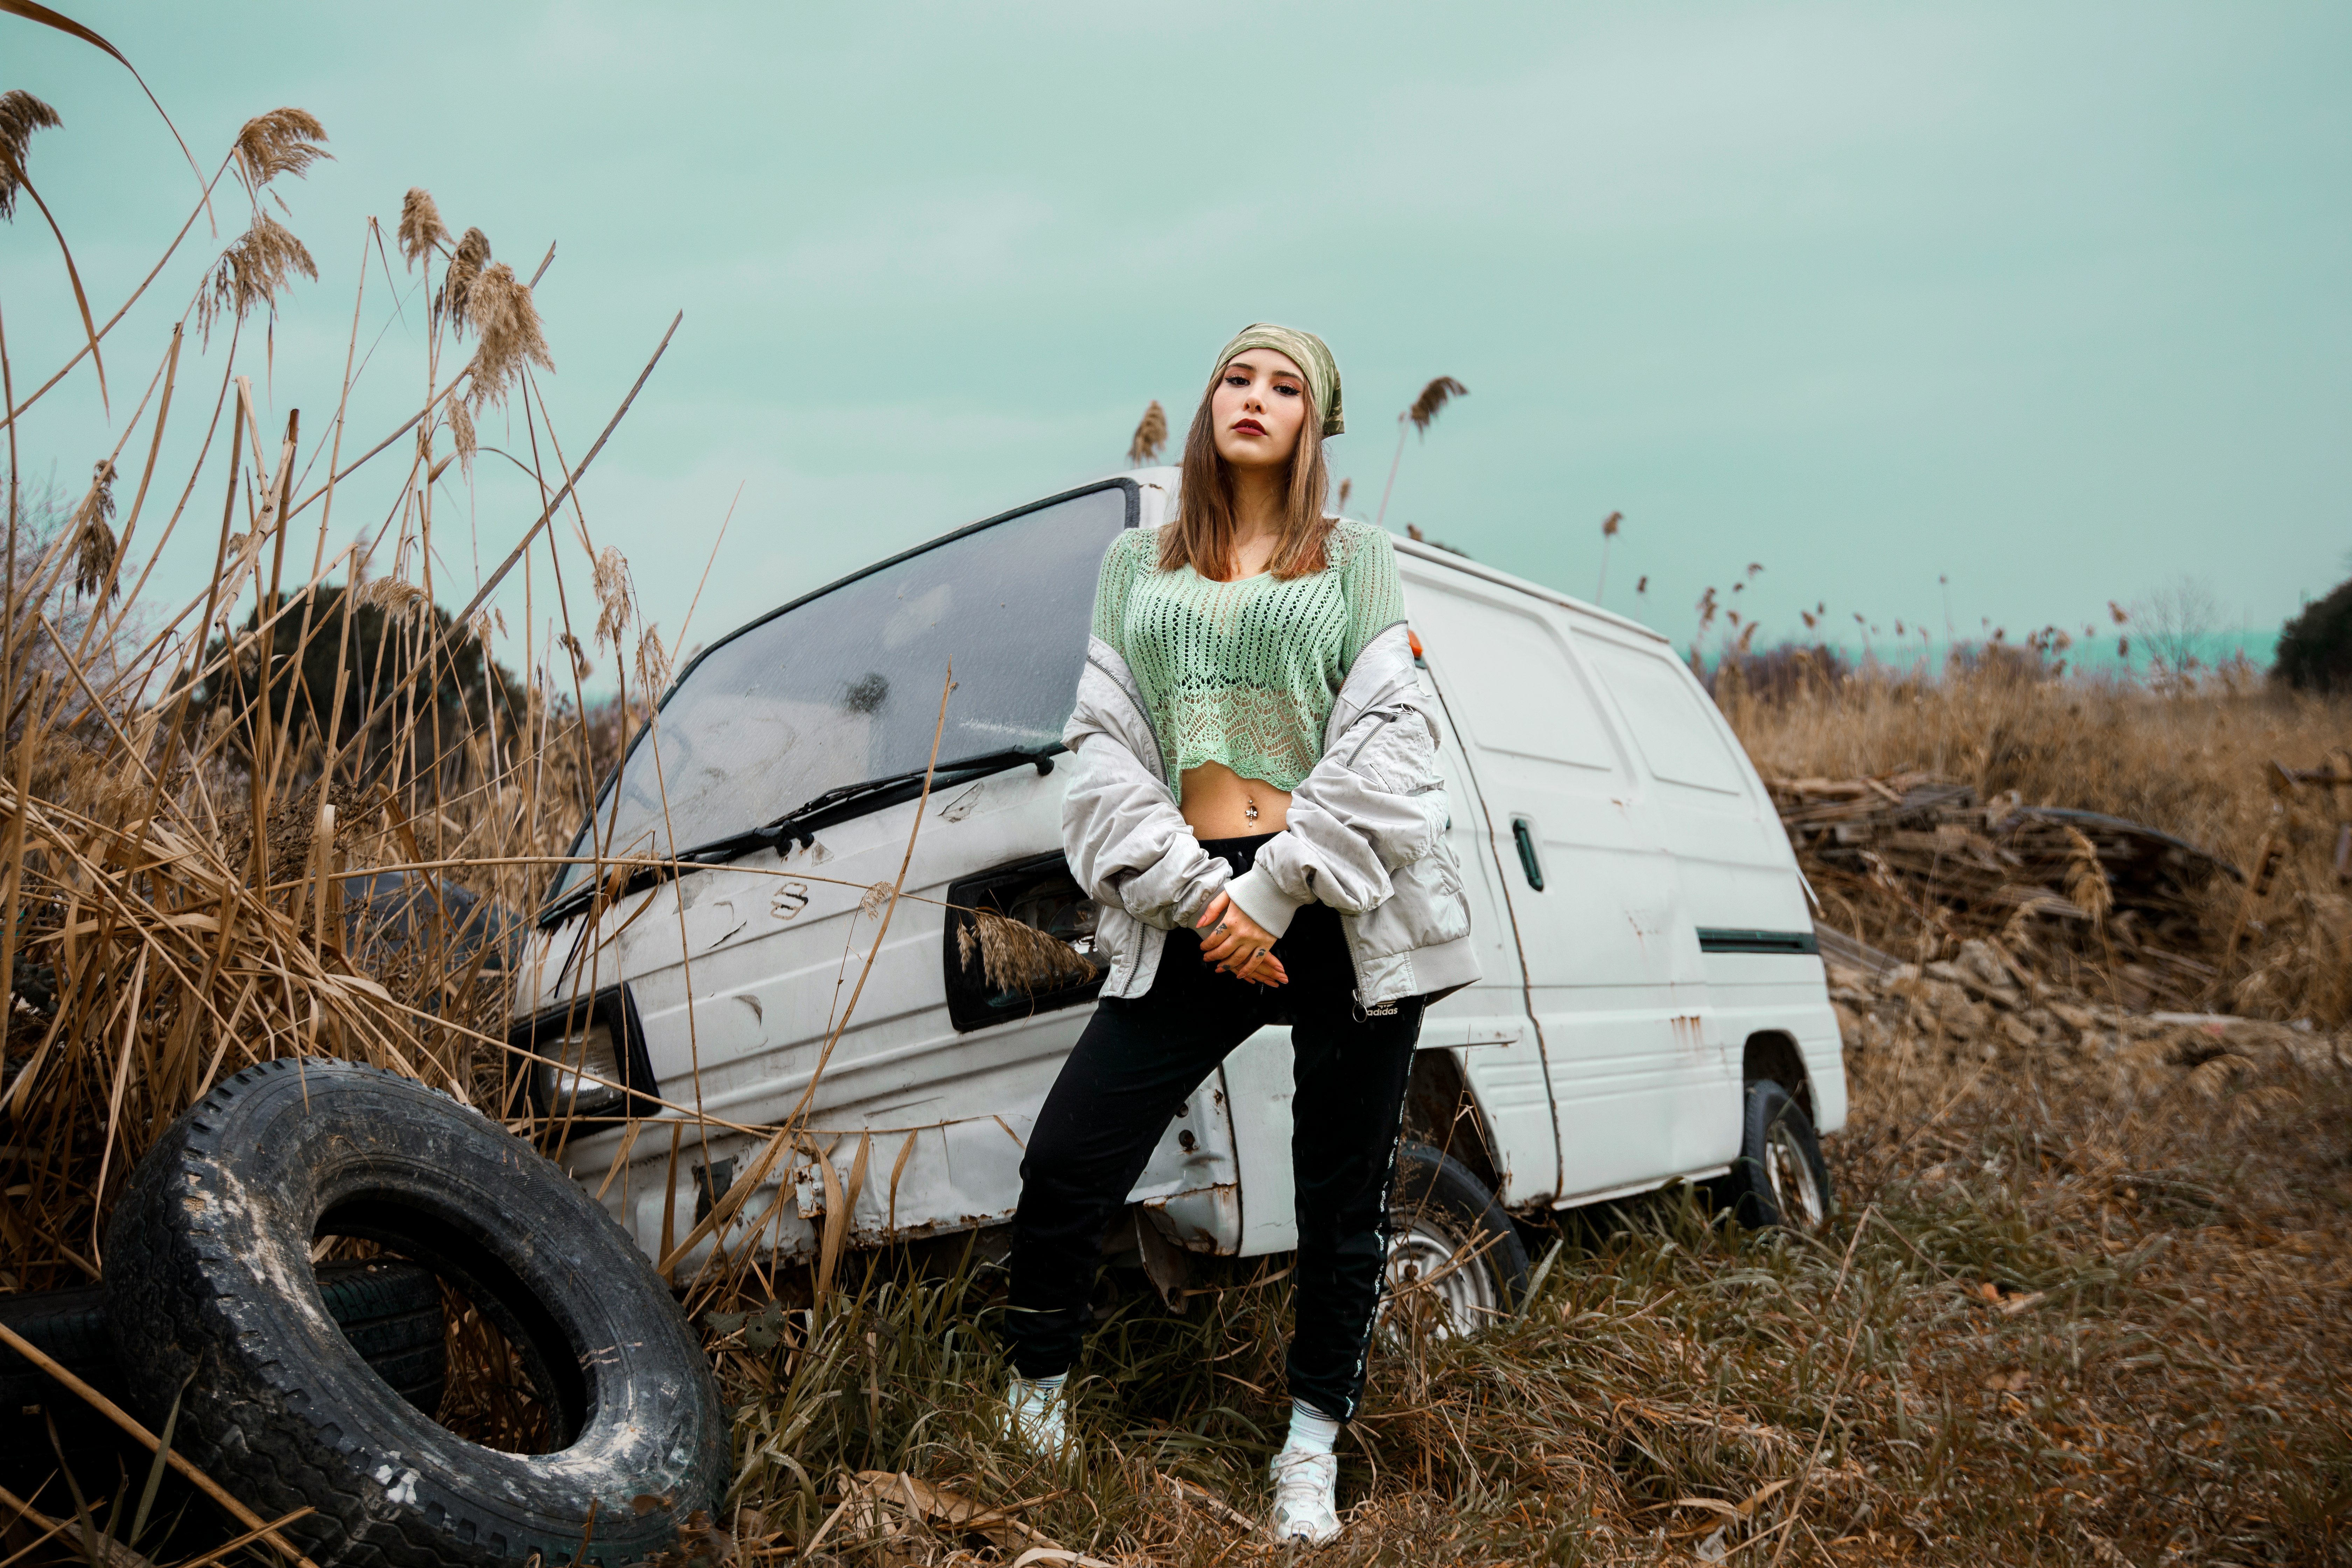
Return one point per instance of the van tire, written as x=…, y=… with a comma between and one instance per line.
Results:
x=209, y=1286
x=1436, y=1208
x=1779, y=1179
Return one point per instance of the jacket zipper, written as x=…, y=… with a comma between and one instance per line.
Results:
x=1389, y=718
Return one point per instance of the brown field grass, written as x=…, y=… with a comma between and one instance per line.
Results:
x=2085, y=1303
x=2053, y=1325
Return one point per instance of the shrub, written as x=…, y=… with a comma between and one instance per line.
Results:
x=2315, y=651
x=400, y=675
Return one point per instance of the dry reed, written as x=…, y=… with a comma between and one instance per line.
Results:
x=1150, y=436
x=94, y=541
x=1014, y=956
x=421, y=231
x=21, y=114
x=1434, y=398
x=465, y=264
x=1424, y=408
x=282, y=141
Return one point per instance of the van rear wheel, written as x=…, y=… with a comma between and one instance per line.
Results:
x=1455, y=1262
x=1780, y=1178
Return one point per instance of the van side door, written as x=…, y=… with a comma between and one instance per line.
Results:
x=1486, y=1026
x=1746, y=959
x=1592, y=894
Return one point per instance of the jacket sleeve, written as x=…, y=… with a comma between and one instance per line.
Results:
x=1126, y=841
x=1373, y=805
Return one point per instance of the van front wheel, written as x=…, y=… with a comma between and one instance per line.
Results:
x=1779, y=1179
x=1456, y=1263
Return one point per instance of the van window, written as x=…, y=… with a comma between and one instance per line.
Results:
x=843, y=687
x=1523, y=694
x=1671, y=720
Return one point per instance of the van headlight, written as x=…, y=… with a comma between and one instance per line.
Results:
x=590, y=1082
x=585, y=1060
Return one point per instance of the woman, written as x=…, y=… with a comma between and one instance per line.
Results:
x=1257, y=811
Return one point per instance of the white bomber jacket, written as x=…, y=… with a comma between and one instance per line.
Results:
x=1366, y=834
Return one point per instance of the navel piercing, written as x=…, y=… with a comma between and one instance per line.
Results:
x=1249, y=807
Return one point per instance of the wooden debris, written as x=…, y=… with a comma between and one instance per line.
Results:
x=2118, y=893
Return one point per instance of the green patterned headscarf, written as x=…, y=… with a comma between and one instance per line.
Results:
x=1308, y=353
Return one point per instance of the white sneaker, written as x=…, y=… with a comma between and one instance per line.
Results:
x=1035, y=1418
x=1306, y=1489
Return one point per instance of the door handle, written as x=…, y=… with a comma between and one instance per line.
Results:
x=1523, y=834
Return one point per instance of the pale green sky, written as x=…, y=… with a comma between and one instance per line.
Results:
x=2052, y=299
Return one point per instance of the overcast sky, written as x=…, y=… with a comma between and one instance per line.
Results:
x=2053, y=299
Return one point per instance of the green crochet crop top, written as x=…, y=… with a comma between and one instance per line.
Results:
x=1244, y=673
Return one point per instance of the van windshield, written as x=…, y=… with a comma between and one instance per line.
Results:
x=843, y=687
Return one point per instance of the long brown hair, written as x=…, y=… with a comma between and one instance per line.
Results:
x=1202, y=535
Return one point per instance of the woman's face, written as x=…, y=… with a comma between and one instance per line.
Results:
x=1259, y=404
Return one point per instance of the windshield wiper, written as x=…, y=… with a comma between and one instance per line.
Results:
x=800, y=823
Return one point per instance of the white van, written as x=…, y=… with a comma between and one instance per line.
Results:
x=1654, y=1006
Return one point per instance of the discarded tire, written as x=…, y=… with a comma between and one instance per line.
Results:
x=1780, y=1178
x=390, y=1312
x=209, y=1275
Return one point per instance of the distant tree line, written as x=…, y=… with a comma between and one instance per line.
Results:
x=2315, y=651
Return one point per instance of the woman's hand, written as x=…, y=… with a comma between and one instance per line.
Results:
x=1238, y=944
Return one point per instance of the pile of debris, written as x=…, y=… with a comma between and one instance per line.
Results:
x=1980, y=1006
x=2122, y=897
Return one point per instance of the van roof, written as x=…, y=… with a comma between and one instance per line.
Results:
x=1434, y=557
x=1167, y=478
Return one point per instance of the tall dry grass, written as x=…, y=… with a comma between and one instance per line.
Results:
x=2196, y=763
x=2062, y=1320
x=303, y=811
x=186, y=790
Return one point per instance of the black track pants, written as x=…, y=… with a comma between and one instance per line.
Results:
x=1133, y=1068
